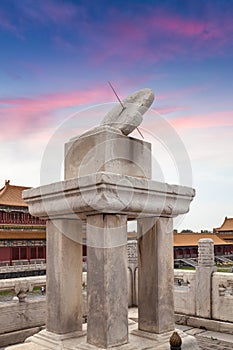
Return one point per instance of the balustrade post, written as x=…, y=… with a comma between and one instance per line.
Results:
x=204, y=271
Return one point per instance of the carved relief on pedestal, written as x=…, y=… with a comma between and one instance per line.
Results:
x=226, y=289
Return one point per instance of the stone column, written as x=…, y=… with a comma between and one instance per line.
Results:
x=107, y=280
x=64, y=276
x=155, y=275
x=204, y=272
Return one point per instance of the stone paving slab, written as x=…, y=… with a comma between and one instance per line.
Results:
x=194, y=331
x=207, y=340
x=219, y=336
x=211, y=344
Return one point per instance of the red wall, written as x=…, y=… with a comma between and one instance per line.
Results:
x=5, y=253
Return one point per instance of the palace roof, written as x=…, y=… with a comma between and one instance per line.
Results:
x=12, y=195
x=226, y=226
x=188, y=239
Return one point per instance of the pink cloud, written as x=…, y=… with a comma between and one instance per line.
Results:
x=20, y=115
x=182, y=92
x=200, y=121
x=161, y=36
x=176, y=24
x=169, y=109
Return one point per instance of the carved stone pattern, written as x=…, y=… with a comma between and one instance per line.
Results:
x=226, y=289
x=206, y=253
x=132, y=252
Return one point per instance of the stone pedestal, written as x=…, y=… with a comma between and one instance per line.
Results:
x=155, y=275
x=107, y=150
x=106, y=200
x=107, y=280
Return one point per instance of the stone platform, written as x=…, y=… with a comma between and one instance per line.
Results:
x=138, y=340
x=206, y=340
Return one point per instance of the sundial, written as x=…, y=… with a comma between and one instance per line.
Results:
x=127, y=115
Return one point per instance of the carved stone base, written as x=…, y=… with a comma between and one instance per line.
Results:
x=48, y=340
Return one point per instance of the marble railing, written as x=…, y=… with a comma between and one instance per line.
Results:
x=202, y=297
x=21, y=318
x=21, y=286
x=24, y=269
x=220, y=295
x=184, y=291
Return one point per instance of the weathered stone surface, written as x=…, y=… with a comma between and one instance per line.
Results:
x=10, y=283
x=185, y=294
x=139, y=340
x=155, y=275
x=20, y=320
x=204, y=273
x=132, y=252
x=64, y=278
x=146, y=340
x=206, y=252
x=108, y=193
x=212, y=325
x=107, y=280
x=15, y=316
x=105, y=150
x=29, y=346
x=222, y=296
x=127, y=118
x=17, y=336
x=49, y=340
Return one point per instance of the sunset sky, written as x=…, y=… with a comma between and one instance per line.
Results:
x=57, y=57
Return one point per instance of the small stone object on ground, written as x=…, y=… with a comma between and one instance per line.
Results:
x=175, y=341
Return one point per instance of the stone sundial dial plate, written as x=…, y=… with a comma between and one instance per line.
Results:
x=130, y=117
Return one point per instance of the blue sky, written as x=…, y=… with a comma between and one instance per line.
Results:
x=57, y=56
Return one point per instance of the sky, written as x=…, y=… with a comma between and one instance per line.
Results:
x=55, y=63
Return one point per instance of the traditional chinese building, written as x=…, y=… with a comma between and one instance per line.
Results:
x=226, y=230
x=22, y=236
x=186, y=245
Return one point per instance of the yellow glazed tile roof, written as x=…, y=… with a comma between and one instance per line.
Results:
x=188, y=239
x=226, y=226
x=12, y=195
